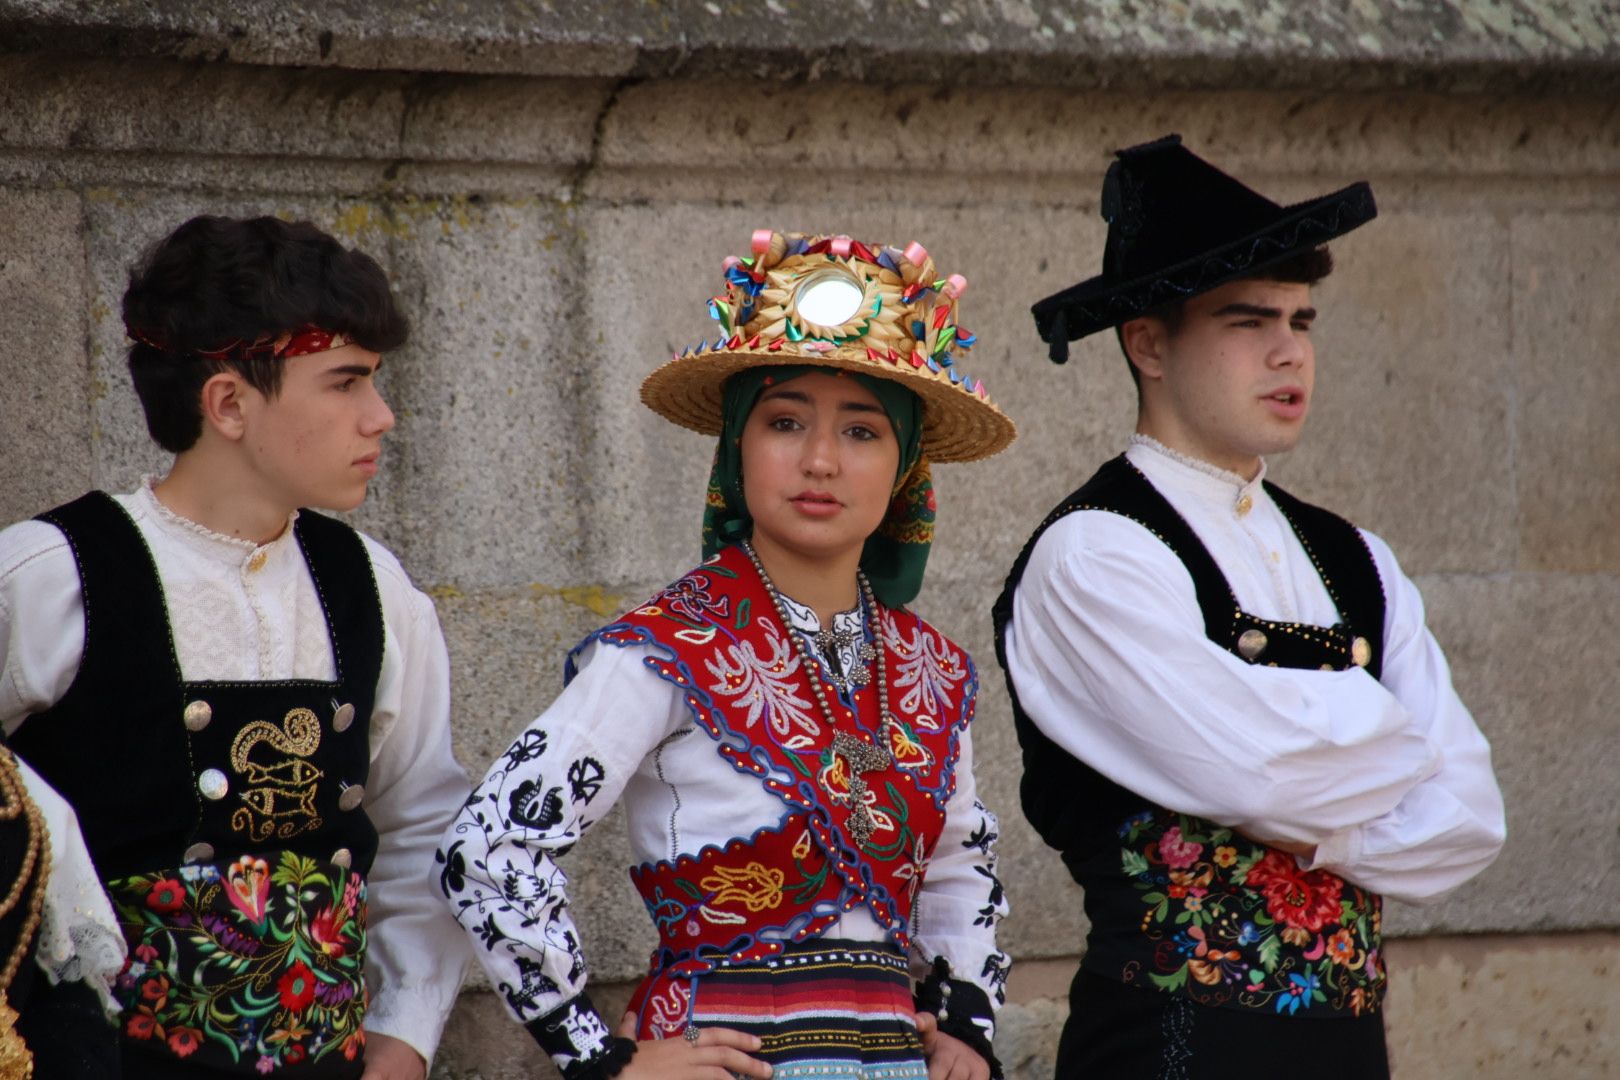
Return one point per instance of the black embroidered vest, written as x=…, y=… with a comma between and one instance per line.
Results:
x=1185, y=905
x=225, y=818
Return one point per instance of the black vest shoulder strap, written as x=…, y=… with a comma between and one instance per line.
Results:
x=126, y=631
x=1120, y=488
x=121, y=713
x=1346, y=565
x=347, y=587
x=127, y=638
x=1335, y=547
x=1052, y=778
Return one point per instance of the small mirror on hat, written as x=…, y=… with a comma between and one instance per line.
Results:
x=828, y=299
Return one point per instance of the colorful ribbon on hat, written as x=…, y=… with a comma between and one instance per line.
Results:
x=306, y=339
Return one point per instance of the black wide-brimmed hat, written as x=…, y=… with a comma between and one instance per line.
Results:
x=1177, y=227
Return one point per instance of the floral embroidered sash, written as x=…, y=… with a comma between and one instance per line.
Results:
x=246, y=967
x=1202, y=911
x=715, y=634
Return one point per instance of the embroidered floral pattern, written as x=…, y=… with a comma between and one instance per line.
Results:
x=1301, y=901
x=731, y=901
x=258, y=965
x=666, y=1012
x=516, y=905
x=247, y=887
x=908, y=752
x=691, y=598
x=729, y=894
x=928, y=669
x=766, y=687
x=910, y=519
x=754, y=886
x=720, y=901
x=1233, y=922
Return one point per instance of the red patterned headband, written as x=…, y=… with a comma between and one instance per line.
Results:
x=307, y=339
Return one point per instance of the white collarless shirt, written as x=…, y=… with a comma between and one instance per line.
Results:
x=1390, y=780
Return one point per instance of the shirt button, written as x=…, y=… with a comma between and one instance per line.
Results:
x=197, y=715
x=255, y=561
x=1251, y=643
x=1245, y=503
x=212, y=784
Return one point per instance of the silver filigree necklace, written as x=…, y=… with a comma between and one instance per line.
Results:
x=860, y=757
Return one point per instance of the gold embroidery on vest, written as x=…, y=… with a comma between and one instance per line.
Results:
x=283, y=801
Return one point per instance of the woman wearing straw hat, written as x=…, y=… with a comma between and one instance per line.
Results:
x=792, y=744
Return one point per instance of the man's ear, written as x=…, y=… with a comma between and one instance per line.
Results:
x=1144, y=340
x=222, y=398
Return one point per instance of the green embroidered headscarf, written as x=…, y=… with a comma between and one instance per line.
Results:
x=897, y=553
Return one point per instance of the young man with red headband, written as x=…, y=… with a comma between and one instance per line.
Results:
x=247, y=703
x=1236, y=726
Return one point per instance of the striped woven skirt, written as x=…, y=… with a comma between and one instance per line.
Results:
x=832, y=1010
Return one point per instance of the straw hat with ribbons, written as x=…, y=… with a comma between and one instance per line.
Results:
x=832, y=301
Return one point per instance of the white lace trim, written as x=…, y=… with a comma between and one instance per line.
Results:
x=146, y=495
x=78, y=932
x=1226, y=476
x=71, y=950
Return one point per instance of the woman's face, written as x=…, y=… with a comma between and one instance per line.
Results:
x=819, y=457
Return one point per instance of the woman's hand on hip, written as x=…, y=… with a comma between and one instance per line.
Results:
x=716, y=1054
x=948, y=1057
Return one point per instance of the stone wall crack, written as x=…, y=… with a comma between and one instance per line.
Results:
x=574, y=189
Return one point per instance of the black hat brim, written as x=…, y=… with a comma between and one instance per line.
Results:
x=1103, y=301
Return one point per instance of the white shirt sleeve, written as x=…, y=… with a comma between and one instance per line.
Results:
x=78, y=937
x=1451, y=826
x=41, y=620
x=961, y=900
x=559, y=777
x=415, y=956
x=1108, y=654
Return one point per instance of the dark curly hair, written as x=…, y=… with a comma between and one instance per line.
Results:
x=216, y=280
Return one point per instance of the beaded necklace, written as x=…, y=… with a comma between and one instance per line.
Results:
x=859, y=756
x=15, y=1058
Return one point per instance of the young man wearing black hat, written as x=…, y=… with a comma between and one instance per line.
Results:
x=1236, y=727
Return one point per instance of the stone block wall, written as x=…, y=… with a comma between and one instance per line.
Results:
x=554, y=235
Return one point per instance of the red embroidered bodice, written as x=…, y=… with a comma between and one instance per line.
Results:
x=716, y=635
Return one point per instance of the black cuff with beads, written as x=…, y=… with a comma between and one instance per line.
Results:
x=959, y=1005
